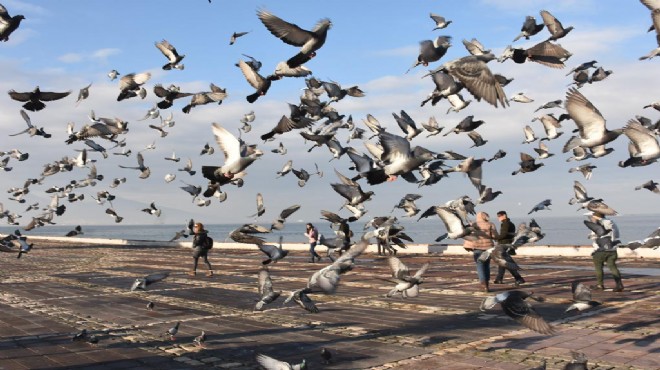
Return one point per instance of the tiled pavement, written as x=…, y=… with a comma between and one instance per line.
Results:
x=55, y=291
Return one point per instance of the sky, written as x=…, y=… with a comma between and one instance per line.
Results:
x=66, y=45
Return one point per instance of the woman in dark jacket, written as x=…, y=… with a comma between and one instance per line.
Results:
x=201, y=245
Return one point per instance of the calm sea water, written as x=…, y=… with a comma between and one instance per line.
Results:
x=558, y=230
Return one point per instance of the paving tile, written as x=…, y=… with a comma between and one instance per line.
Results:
x=359, y=324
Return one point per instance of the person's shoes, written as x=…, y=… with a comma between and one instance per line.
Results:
x=618, y=288
x=484, y=287
x=498, y=282
x=192, y=273
x=210, y=273
x=519, y=282
x=312, y=260
x=597, y=287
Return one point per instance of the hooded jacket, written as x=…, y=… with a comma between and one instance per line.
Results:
x=484, y=234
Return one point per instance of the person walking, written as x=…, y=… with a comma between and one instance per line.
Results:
x=201, y=245
x=505, y=236
x=312, y=235
x=479, y=242
x=606, y=255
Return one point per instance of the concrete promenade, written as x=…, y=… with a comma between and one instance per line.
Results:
x=58, y=289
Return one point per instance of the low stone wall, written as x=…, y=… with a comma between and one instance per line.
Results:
x=450, y=249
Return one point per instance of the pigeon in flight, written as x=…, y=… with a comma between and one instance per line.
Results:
x=278, y=224
x=581, y=298
x=130, y=85
x=145, y=172
x=83, y=94
x=473, y=72
x=554, y=26
x=216, y=95
x=173, y=58
x=440, y=21
x=541, y=206
x=431, y=51
x=529, y=28
x=266, y=290
x=407, y=286
x=236, y=35
x=308, y=41
x=152, y=210
x=257, y=81
x=34, y=99
x=270, y=363
x=31, y=129
x=514, y=305
x=651, y=241
x=143, y=283
x=8, y=24
x=649, y=185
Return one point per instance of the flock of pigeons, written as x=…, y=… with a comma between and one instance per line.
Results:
x=390, y=155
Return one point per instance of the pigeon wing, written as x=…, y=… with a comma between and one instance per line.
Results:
x=288, y=32
x=227, y=142
x=399, y=269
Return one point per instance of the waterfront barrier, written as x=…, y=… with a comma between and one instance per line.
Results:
x=448, y=249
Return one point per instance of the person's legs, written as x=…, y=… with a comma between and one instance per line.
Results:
x=194, y=269
x=500, y=275
x=516, y=275
x=312, y=252
x=483, y=269
x=599, y=260
x=208, y=264
x=611, y=264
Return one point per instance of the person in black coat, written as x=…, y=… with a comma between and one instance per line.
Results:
x=505, y=236
x=201, y=245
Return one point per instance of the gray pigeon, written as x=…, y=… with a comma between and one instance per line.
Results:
x=278, y=224
x=143, y=283
x=266, y=290
x=581, y=298
x=541, y=206
x=274, y=253
x=308, y=41
x=270, y=363
x=440, y=21
x=555, y=27
x=407, y=286
x=514, y=305
x=529, y=28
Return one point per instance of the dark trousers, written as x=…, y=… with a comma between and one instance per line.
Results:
x=313, y=252
x=199, y=252
x=606, y=257
x=501, y=270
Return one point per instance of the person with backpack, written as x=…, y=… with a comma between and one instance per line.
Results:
x=312, y=235
x=606, y=254
x=505, y=236
x=201, y=245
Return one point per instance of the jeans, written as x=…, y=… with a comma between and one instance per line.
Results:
x=313, y=252
x=501, y=270
x=483, y=268
x=606, y=257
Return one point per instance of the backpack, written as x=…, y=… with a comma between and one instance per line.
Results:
x=208, y=243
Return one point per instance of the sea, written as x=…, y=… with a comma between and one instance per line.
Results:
x=558, y=230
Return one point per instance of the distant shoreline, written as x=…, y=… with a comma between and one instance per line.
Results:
x=576, y=250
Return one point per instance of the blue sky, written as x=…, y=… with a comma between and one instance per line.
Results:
x=66, y=45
